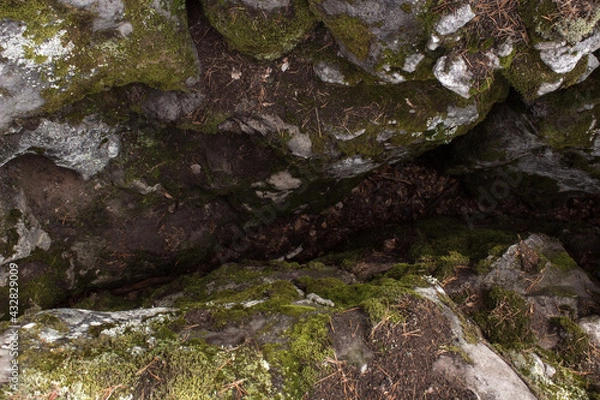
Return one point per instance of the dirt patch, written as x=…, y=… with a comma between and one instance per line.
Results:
x=55, y=194
x=403, y=354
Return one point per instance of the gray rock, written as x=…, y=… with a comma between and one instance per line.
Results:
x=50, y=65
x=514, y=142
x=486, y=374
x=171, y=106
x=412, y=62
x=329, y=73
x=21, y=82
x=454, y=74
x=507, y=271
x=78, y=322
x=279, y=186
x=563, y=57
x=549, y=87
x=300, y=145
x=267, y=5
x=351, y=167
x=86, y=147
x=109, y=13
x=452, y=22
x=393, y=24
x=591, y=326
x=30, y=235
x=593, y=63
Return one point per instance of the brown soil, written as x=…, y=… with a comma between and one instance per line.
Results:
x=403, y=355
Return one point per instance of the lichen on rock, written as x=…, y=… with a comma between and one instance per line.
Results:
x=61, y=51
x=86, y=147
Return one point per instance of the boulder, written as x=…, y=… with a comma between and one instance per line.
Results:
x=263, y=29
x=56, y=53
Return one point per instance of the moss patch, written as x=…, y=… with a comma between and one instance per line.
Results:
x=442, y=236
x=354, y=34
x=102, y=59
x=262, y=34
x=505, y=320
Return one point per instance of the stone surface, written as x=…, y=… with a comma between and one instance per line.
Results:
x=370, y=32
x=329, y=73
x=485, y=373
x=21, y=233
x=46, y=51
x=85, y=147
x=538, y=145
x=138, y=336
x=450, y=23
x=563, y=57
x=171, y=106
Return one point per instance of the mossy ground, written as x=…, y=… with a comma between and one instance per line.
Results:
x=169, y=357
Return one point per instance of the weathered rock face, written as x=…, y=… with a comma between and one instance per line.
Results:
x=55, y=53
x=86, y=147
x=464, y=45
x=553, y=138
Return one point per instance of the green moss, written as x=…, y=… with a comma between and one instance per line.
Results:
x=38, y=14
x=571, y=116
x=365, y=145
x=46, y=290
x=233, y=305
x=444, y=267
x=50, y=321
x=527, y=73
x=346, y=260
x=406, y=7
x=262, y=34
x=102, y=59
x=441, y=236
x=343, y=295
x=352, y=32
x=574, y=344
x=459, y=351
x=563, y=261
x=128, y=365
x=106, y=302
x=199, y=287
x=505, y=319
x=546, y=21
x=573, y=30
x=301, y=363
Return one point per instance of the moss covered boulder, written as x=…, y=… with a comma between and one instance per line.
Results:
x=56, y=52
x=467, y=46
x=263, y=29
